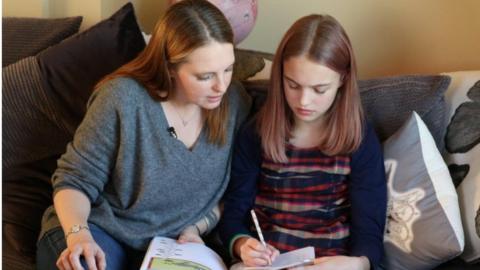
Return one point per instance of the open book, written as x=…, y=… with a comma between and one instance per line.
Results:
x=166, y=253
x=298, y=257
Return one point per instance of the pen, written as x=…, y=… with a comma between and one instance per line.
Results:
x=259, y=231
x=257, y=227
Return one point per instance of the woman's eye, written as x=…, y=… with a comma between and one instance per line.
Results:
x=204, y=77
x=230, y=69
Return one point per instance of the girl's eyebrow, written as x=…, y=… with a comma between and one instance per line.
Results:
x=204, y=73
x=313, y=86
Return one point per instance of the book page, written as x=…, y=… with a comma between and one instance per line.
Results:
x=302, y=256
x=166, y=253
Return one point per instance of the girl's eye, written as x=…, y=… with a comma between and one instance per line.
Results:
x=230, y=69
x=320, y=90
x=293, y=86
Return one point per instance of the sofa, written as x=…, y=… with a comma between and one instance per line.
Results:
x=49, y=73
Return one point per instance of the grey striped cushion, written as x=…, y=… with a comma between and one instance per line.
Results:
x=24, y=37
x=389, y=101
x=31, y=130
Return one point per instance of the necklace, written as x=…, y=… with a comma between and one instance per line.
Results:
x=182, y=119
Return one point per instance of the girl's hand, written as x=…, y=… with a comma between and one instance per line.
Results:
x=338, y=263
x=190, y=234
x=253, y=253
x=79, y=244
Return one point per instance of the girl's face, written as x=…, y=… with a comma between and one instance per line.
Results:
x=310, y=88
x=205, y=75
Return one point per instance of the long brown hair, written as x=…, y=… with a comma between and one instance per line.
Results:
x=321, y=39
x=186, y=26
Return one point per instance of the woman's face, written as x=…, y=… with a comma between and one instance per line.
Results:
x=310, y=88
x=205, y=75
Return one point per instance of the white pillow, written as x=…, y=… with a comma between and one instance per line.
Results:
x=462, y=141
x=424, y=226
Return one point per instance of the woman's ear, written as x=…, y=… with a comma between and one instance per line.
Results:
x=172, y=72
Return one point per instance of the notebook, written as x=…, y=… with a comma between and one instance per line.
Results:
x=298, y=257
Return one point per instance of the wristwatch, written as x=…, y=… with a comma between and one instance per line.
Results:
x=75, y=229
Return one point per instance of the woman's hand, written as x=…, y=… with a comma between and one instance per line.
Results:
x=79, y=244
x=253, y=253
x=190, y=234
x=338, y=263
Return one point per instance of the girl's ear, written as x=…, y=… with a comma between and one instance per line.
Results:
x=342, y=80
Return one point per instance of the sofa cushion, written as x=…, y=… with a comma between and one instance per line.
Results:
x=463, y=153
x=24, y=37
x=44, y=99
x=249, y=63
x=29, y=139
x=389, y=101
x=30, y=130
x=72, y=68
x=423, y=208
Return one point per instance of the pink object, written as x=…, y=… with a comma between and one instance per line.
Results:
x=241, y=14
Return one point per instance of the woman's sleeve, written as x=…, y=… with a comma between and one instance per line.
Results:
x=90, y=157
x=240, y=194
x=368, y=197
x=207, y=223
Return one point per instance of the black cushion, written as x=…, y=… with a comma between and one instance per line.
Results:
x=72, y=68
x=44, y=100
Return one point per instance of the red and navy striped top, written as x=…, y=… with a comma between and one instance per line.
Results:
x=304, y=202
x=336, y=204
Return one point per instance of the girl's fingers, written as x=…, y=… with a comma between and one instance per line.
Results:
x=274, y=254
x=261, y=257
x=260, y=261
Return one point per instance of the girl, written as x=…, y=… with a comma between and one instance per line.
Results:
x=136, y=167
x=309, y=164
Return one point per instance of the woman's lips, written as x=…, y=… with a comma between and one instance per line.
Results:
x=214, y=99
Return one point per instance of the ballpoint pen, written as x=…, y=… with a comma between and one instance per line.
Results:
x=259, y=231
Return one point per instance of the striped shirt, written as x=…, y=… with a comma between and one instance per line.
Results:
x=336, y=204
x=304, y=202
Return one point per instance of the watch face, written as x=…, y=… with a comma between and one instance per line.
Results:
x=75, y=228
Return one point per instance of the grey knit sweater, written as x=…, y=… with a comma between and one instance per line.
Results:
x=141, y=181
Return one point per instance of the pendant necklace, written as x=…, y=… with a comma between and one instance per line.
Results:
x=183, y=120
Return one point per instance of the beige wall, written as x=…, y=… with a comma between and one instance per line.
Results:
x=24, y=8
x=389, y=37
x=148, y=11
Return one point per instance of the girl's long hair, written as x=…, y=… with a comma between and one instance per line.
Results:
x=321, y=39
x=186, y=26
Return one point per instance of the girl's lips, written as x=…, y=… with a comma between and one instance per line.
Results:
x=304, y=112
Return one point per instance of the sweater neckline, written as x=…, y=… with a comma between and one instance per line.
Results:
x=197, y=146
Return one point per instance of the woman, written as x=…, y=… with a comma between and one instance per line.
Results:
x=309, y=164
x=152, y=155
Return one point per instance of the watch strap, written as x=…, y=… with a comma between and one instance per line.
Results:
x=75, y=229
